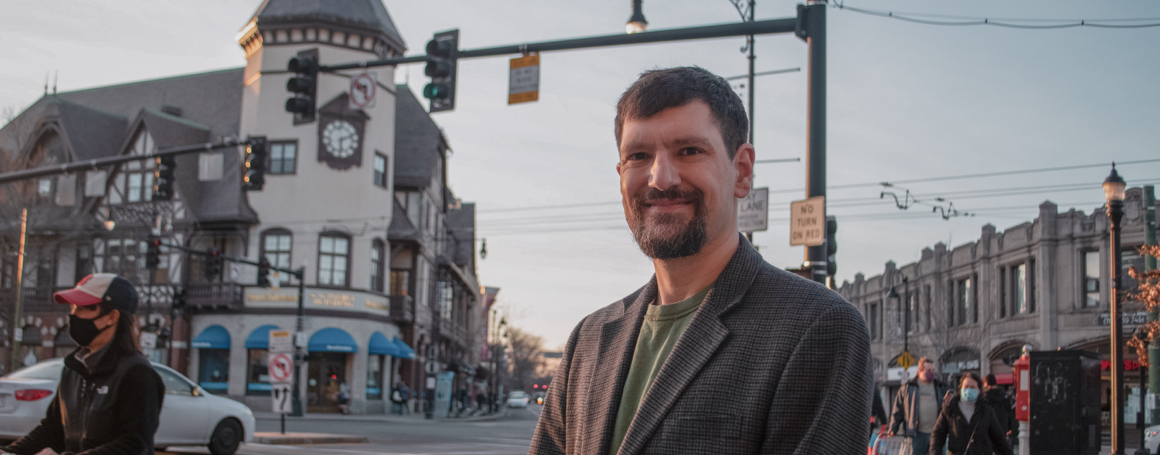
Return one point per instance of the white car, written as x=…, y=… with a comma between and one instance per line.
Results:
x=189, y=415
x=518, y=399
x=1152, y=438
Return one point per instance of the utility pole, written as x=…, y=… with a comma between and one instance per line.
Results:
x=17, y=328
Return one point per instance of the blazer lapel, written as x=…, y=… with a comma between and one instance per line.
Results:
x=617, y=343
x=696, y=346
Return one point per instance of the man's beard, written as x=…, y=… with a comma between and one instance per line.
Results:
x=667, y=235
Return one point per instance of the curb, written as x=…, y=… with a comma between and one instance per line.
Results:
x=307, y=438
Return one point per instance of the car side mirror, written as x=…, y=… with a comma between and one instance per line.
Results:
x=196, y=392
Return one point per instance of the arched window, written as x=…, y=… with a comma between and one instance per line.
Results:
x=378, y=254
x=276, y=245
x=333, y=259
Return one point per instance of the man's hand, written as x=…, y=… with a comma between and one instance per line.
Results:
x=47, y=451
x=890, y=433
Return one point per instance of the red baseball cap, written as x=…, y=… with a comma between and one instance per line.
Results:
x=117, y=293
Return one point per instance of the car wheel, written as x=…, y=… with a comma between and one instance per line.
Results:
x=226, y=437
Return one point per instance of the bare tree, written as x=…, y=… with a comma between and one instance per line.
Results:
x=526, y=358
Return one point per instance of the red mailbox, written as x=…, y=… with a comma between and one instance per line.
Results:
x=1022, y=378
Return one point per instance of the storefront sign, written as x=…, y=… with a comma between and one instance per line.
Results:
x=1129, y=365
x=326, y=299
x=1137, y=318
x=955, y=367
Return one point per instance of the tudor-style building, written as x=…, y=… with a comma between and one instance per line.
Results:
x=973, y=307
x=330, y=204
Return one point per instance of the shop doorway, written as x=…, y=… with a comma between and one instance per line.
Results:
x=327, y=380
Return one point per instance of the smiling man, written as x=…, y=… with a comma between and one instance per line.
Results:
x=720, y=352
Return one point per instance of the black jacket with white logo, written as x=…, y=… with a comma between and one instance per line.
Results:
x=113, y=410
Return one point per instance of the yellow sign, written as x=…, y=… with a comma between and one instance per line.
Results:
x=905, y=360
x=524, y=79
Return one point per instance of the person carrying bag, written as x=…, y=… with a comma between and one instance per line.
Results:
x=967, y=425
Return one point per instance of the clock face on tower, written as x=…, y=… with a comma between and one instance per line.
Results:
x=340, y=139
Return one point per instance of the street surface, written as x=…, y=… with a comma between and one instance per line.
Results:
x=511, y=434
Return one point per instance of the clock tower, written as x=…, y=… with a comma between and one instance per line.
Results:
x=340, y=134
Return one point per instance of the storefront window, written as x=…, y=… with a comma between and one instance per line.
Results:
x=374, y=377
x=257, y=375
x=214, y=370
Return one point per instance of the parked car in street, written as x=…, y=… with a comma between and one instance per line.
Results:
x=518, y=399
x=1152, y=439
x=190, y=416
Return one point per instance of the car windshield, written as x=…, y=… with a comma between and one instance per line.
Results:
x=42, y=370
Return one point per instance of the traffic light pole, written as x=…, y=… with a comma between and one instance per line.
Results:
x=813, y=19
x=90, y=165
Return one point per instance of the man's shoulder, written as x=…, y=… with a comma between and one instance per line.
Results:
x=774, y=289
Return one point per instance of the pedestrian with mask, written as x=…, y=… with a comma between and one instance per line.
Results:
x=968, y=425
x=1004, y=407
x=918, y=405
x=109, y=398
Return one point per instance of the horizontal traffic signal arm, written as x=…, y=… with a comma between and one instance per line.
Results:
x=101, y=163
x=765, y=27
x=207, y=253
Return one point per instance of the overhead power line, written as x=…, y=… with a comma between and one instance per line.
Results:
x=1043, y=24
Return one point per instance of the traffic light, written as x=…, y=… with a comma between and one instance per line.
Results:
x=213, y=265
x=256, y=160
x=303, y=86
x=163, y=177
x=263, y=272
x=153, y=254
x=442, y=55
x=831, y=245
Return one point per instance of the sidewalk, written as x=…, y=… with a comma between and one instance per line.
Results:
x=409, y=418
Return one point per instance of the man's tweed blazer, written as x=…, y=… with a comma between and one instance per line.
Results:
x=771, y=363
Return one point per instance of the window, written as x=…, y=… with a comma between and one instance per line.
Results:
x=374, y=377
x=975, y=299
x=875, y=322
x=213, y=373
x=1002, y=292
x=135, y=181
x=1031, y=285
x=1019, y=289
x=913, y=304
x=380, y=170
x=283, y=157
x=44, y=188
x=966, y=296
x=333, y=258
x=1129, y=258
x=125, y=257
x=446, y=300
x=276, y=249
x=257, y=375
x=929, y=304
x=1091, y=279
x=84, y=263
x=412, y=203
x=377, y=266
x=173, y=384
x=400, y=281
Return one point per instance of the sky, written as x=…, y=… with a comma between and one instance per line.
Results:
x=906, y=102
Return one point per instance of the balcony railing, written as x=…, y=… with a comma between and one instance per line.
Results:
x=402, y=309
x=214, y=296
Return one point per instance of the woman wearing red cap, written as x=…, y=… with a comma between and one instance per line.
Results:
x=109, y=397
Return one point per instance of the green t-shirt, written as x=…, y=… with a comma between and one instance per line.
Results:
x=662, y=327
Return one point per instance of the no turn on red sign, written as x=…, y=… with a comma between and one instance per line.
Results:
x=807, y=222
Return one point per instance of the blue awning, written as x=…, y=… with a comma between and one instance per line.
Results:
x=332, y=340
x=381, y=345
x=405, y=351
x=260, y=337
x=213, y=337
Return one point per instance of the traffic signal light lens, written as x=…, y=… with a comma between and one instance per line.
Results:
x=437, y=69
x=436, y=91
x=439, y=48
x=298, y=105
x=300, y=84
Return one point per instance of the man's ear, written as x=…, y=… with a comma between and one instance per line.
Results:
x=113, y=317
x=743, y=164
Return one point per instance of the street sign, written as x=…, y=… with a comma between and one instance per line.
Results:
x=905, y=360
x=281, y=395
x=362, y=90
x=280, y=342
x=807, y=222
x=524, y=79
x=281, y=368
x=753, y=211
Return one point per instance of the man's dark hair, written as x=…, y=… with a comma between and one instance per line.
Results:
x=658, y=90
x=989, y=380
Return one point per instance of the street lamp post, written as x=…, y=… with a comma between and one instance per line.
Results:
x=1114, y=187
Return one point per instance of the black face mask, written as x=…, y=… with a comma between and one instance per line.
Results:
x=83, y=331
